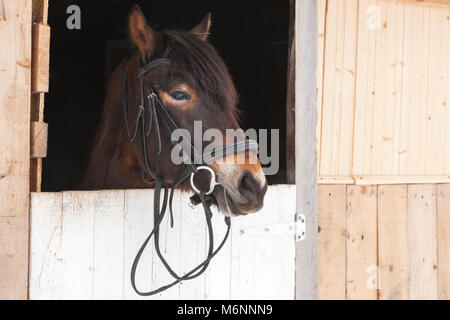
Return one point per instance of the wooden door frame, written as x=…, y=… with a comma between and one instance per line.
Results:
x=306, y=173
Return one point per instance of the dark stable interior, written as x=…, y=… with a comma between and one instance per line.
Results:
x=251, y=36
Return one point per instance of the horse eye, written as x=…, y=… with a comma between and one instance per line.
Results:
x=180, y=96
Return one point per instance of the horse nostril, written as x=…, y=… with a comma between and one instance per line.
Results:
x=250, y=188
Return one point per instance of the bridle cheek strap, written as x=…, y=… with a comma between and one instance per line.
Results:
x=155, y=110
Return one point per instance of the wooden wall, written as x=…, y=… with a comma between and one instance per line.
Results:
x=15, y=89
x=384, y=242
x=384, y=91
x=83, y=245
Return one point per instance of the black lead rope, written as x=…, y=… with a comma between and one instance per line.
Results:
x=158, y=218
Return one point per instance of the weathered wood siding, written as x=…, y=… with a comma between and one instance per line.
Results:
x=384, y=85
x=384, y=242
x=83, y=245
x=15, y=89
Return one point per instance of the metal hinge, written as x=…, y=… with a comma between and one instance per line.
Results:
x=296, y=228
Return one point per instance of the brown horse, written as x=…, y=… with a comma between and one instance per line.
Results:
x=195, y=87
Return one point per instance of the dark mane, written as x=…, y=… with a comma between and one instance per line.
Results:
x=202, y=67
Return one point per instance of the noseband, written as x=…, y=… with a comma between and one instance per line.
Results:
x=150, y=111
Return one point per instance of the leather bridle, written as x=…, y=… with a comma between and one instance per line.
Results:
x=150, y=111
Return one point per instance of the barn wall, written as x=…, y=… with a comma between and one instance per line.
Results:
x=83, y=245
x=15, y=87
x=384, y=242
x=384, y=92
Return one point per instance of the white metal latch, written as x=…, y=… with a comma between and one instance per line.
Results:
x=296, y=228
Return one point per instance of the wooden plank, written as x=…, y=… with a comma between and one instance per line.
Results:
x=376, y=180
x=108, y=262
x=305, y=153
x=15, y=63
x=362, y=281
x=393, y=242
x=446, y=146
x=328, y=111
x=321, y=31
x=422, y=242
x=396, y=38
x=78, y=244
x=46, y=246
x=40, y=11
x=443, y=236
x=41, y=58
x=138, y=223
x=414, y=96
x=437, y=86
x=336, y=97
x=364, y=100
x=344, y=162
x=263, y=266
x=332, y=242
x=39, y=133
x=13, y=257
x=290, y=100
x=37, y=115
x=387, y=91
x=276, y=254
x=372, y=180
x=336, y=180
x=427, y=2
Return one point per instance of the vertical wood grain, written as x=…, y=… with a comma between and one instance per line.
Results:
x=305, y=141
x=443, y=238
x=362, y=261
x=15, y=90
x=437, y=86
x=108, y=260
x=332, y=202
x=422, y=241
x=364, y=98
x=138, y=223
x=78, y=245
x=46, y=237
x=393, y=242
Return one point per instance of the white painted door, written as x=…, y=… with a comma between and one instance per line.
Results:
x=83, y=245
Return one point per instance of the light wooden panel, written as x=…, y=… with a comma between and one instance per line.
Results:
x=362, y=242
x=364, y=93
x=321, y=28
x=306, y=164
x=84, y=243
x=41, y=58
x=108, y=239
x=443, y=239
x=389, y=116
x=422, y=242
x=393, y=242
x=138, y=221
x=253, y=256
x=46, y=246
x=15, y=73
x=439, y=94
x=78, y=241
x=332, y=242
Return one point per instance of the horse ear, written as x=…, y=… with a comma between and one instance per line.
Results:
x=144, y=37
x=202, y=29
